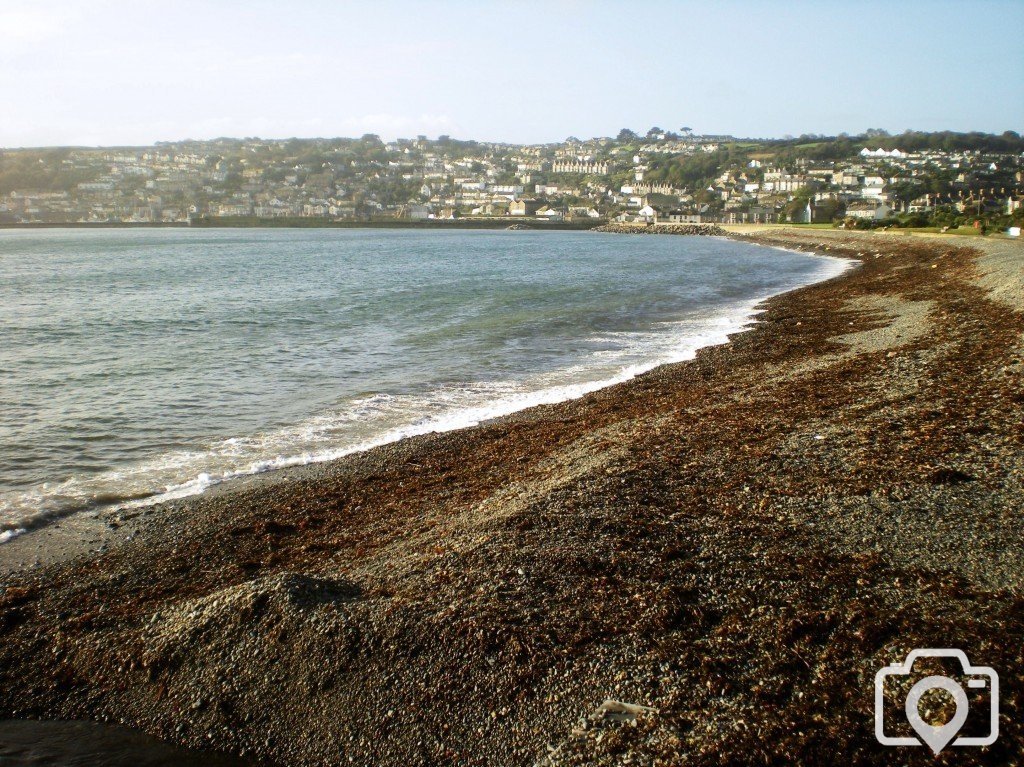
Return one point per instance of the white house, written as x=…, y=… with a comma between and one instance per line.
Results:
x=549, y=213
x=647, y=213
x=873, y=187
x=867, y=209
x=882, y=153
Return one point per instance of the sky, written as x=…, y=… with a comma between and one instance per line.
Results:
x=107, y=72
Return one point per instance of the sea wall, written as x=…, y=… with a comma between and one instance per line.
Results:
x=690, y=229
x=496, y=222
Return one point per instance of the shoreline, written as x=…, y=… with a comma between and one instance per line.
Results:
x=510, y=576
x=88, y=527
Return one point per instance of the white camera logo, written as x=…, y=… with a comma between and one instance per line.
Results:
x=937, y=738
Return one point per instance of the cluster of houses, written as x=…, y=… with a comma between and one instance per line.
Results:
x=423, y=179
x=874, y=185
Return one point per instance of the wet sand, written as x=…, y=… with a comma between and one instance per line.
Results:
x=737, y=543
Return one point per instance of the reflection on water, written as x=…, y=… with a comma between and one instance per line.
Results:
x=26, y=743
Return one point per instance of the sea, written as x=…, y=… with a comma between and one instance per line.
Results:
x=140, y=365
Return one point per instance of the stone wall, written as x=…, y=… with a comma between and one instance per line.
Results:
x=691, y=229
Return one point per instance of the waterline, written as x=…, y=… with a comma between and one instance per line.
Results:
x=491, y=347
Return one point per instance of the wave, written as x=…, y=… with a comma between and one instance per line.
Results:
x=378, y=418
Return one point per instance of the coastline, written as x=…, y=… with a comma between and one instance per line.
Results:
x=65, y=533
x=484, y=588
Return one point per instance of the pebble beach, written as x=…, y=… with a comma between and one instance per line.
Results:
x=704, y=565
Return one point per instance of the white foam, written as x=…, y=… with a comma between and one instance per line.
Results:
x=7, y=535
x=460, y=415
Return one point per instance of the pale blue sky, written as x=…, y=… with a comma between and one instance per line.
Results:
x=110, y=72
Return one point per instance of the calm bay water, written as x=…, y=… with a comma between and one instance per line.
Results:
x=145, y=364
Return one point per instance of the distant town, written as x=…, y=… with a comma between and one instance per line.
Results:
x=661, y=176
